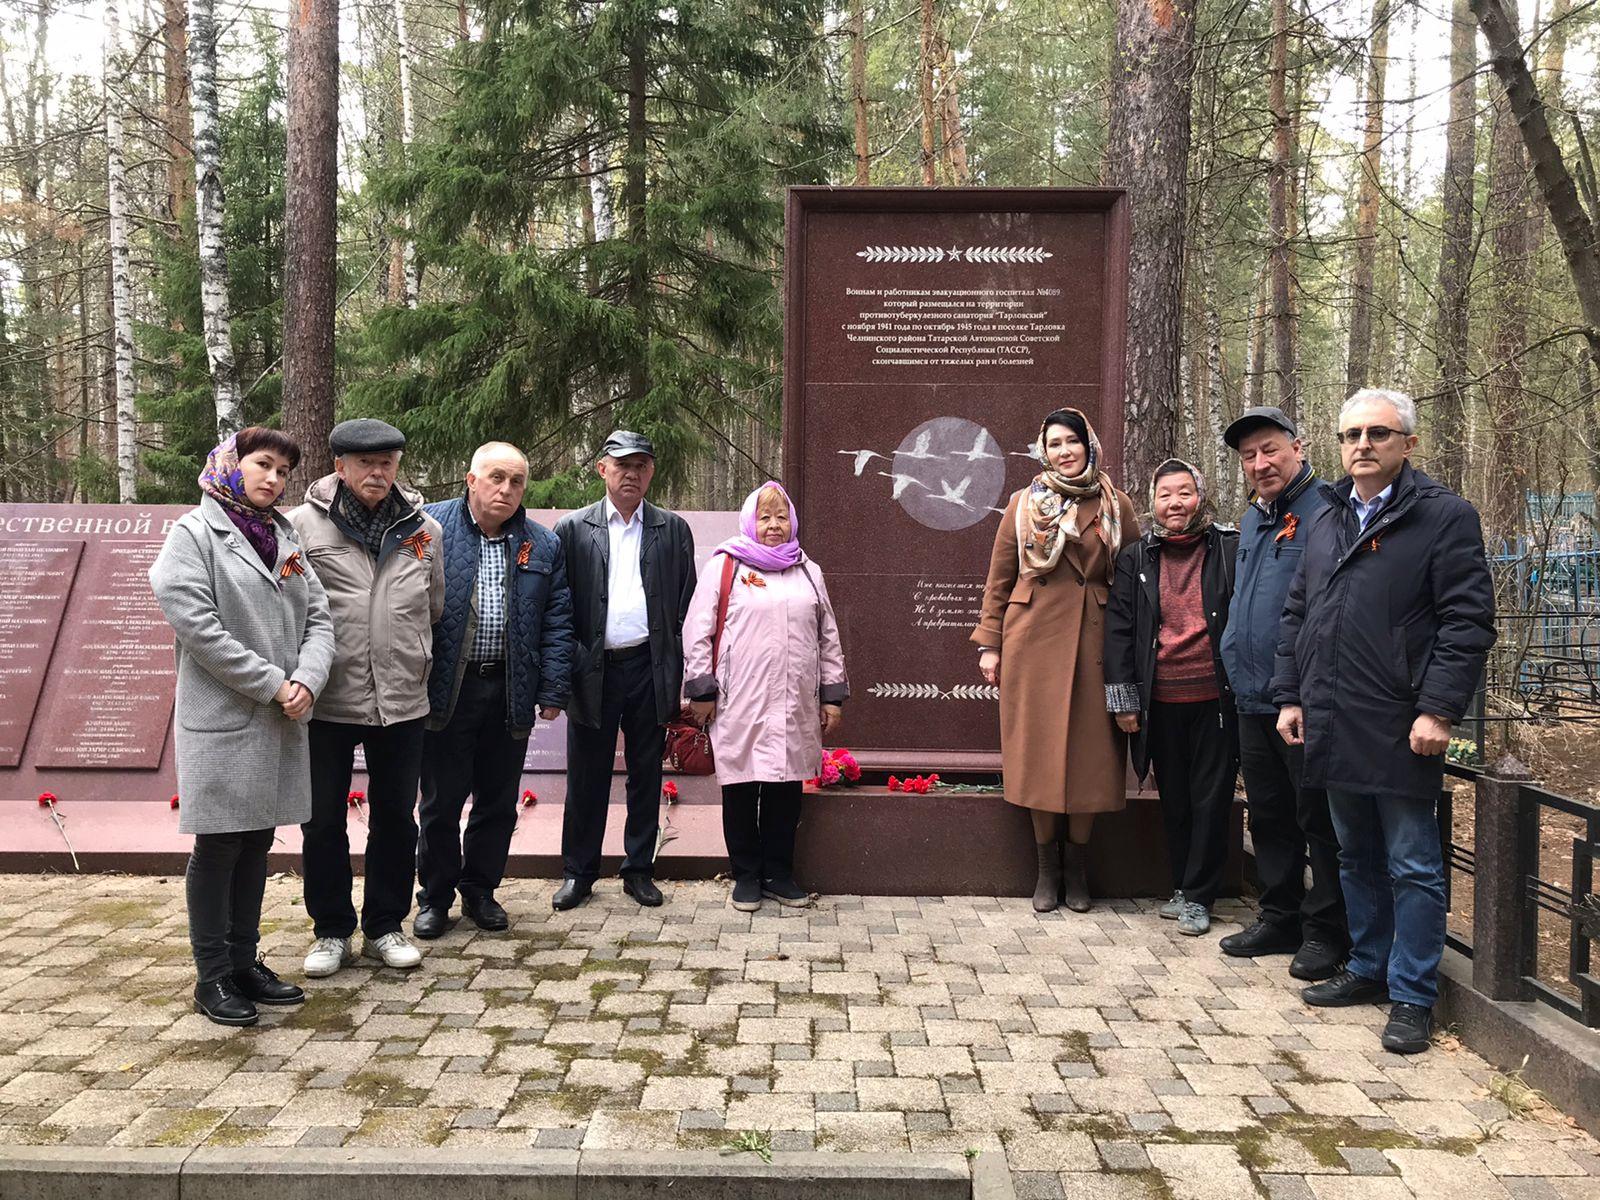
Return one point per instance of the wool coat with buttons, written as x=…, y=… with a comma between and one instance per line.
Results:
x=1061, y=750
x=1381, y=625
x=242, y=629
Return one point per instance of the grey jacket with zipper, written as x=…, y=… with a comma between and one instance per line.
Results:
x=383, y=608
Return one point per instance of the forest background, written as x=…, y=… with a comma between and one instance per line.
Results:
x=535, y=221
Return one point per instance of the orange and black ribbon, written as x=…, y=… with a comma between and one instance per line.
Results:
x=418, y=542
x=1291, y=525
x=522, y=553
x=292, y=566
x=753, y=580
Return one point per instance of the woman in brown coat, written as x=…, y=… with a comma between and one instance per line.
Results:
x=1044, y=618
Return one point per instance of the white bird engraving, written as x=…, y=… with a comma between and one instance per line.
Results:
x=919, y=448
x=863, y=457
x=1028, y=453
x=901, y=482
x=957, y=494
x=980, y=448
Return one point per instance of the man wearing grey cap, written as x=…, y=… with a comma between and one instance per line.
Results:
x=377, y=554
x=1288, y=823
x=631, y=567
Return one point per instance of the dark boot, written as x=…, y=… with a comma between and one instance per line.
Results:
x=1046, y=894
x=1075, y=876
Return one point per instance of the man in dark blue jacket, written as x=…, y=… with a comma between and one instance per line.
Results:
x=1288, y=823
x=501, y=649
x=1388, y=623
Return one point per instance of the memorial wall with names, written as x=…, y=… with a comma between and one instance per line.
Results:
x=927, y=333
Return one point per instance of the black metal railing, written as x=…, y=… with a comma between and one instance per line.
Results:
x=1511, y=833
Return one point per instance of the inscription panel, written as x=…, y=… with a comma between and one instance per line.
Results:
x=33, y=599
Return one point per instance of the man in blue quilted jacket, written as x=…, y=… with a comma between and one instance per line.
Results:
x=502, y=650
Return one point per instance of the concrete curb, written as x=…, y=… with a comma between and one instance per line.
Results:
x=369, y=1173
x=991, y=1177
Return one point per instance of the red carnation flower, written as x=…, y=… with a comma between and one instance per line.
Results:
x=529, y=799
x=173, y=803
x=357, y=799
x=670, y=791
x=46, y=799
x=894, y=784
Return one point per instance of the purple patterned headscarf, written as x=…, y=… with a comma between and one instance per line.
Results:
x=748, y=548
x=224, y=482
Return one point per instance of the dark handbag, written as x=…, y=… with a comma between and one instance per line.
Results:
x=688, y=748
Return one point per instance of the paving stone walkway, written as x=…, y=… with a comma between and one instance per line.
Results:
x=1108, y=1056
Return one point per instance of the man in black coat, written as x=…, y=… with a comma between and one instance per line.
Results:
x=631, y=567
x=1385, y=632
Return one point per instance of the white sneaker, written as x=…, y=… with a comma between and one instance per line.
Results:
x=327, y=955
x=395, y=949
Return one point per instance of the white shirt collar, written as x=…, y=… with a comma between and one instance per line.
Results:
x=614, y=514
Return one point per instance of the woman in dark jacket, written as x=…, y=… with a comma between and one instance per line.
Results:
x=1166, y=685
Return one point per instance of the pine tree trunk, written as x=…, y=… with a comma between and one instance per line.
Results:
x=1280, y=214
x=121, y=259
x=634, y=196
x=925, y=92
x=955, y=140
x=215, y=316
x=1148, y=150
x=1363, y=303
x=1256, y=365
x=463, y=29
x=858, y=88
x=1507, y=222
x=1457, y=250
x=180, y=134
x=310, y=249
x=408, y=134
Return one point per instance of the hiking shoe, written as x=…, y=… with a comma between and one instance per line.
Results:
x=1172, y=909
x=1194, y=920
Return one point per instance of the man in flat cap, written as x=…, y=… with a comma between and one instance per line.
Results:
x=632, y=571
x=1289, y=824
x=378, y=556
x=502, y=658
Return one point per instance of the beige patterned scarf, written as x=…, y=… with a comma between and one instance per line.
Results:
x=1047, y=517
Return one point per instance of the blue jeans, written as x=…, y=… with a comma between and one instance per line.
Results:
x=1392, y=868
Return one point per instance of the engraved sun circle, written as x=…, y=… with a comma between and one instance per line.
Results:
x=948, y=473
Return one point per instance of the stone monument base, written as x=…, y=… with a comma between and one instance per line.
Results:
x=862, y=841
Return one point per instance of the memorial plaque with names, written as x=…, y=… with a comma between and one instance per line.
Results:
x=33, y=598
x=927, y=333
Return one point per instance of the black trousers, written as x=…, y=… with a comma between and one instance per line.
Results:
x=758, y=824
x=1195, y=749
x=226, y=879
x=473, y=755
x=628, y=703
x=1288, y=826
x=394, y=768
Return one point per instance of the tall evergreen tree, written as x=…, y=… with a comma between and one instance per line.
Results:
x=668, y=326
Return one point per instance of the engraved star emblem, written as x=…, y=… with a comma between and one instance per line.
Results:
x=955, y=253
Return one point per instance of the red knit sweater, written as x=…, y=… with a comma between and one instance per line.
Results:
x=1185, y=670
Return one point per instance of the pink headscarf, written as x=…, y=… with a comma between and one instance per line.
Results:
x=748, y=548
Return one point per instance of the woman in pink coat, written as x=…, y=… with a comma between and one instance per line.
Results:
x=770, y=687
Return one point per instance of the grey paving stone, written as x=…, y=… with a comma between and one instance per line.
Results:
x=1268, y=1106
x=323, y=1135
x=836, y=1102
x=1363, y=1161
x=559, y=1139
x=1286, y=1187
x=1123, y=1156
x=700, y=1119
x=1037, y=1185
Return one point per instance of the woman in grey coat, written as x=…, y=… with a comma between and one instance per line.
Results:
x=254, y=645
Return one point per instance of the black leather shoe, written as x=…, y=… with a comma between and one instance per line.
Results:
x=570, y=894
x=222, y=1003
x=1410, y=1029
x=485, y=912
x=1344, y=990
x=432, y=923
x=259, y=983
x=1260, y=939
x=1316, y=961
x=642, y=889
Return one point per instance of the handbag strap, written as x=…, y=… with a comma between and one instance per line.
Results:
x=729, y=566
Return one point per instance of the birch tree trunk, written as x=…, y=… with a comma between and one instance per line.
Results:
x=1363, y=302
x=858, y=89
x=310, y=248
x=925, y=91
x=1280, y=181
x=121, y=259
x=408, y=133
x=215, y=316
x=1147, y=148
x=1457, y=251
x=605, y=219
x=175, y=97
x=634, y=199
